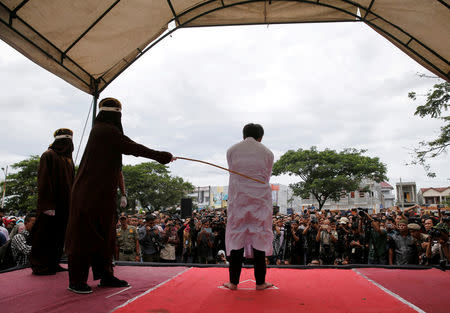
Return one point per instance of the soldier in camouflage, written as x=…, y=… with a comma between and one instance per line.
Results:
x=127, y=243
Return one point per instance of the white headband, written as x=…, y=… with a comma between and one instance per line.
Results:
x=63, y=136
x=110, y=109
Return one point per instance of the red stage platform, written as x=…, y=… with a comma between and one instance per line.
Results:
x=184, y=289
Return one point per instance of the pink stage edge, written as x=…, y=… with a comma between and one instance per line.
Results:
x=22, y=292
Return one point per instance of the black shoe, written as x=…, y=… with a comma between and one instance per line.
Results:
x=112, y=281
x=82, y=288
x=44, y=273
x=59, y=268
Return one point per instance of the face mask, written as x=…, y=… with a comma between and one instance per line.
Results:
x=382, y=228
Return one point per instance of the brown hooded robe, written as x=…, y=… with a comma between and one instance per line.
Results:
x=55, y=178
x=91, y=232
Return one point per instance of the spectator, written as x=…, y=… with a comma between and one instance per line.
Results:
x=438, y=247
x=187, y=242
x=221, y=257
x=354, y=253
x=170, y=241
x=20, y=248
x=342, y=231
x=278, y=242
x=297, y=244
x=312, y=245
x=127, y=241
x=205, y=242
x=3, y=239
x=3, y=230
x=421, y=241
x=150, y=240
x=327, y=239
x=378, y=252
x=402, y=247
x=428, y=224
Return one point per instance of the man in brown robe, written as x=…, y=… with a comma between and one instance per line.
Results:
x=91, y=232
x=55, y=179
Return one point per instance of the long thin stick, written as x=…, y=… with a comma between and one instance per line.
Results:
x=223, y=168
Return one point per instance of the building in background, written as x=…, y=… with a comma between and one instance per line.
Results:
x=433, y=196
x=371, y=196
x=388, y=197
x=406, y=194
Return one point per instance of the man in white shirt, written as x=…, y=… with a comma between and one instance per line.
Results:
x=249, y=213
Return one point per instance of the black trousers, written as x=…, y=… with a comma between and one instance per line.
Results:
x=236, y=258
x=79, y=267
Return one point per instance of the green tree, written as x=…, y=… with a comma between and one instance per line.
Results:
x=21, y=186
x=326, y=174
x=151, y=185
x=437, y=102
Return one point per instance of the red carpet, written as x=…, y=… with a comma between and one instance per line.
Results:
x=427, y=289
x=319, y=290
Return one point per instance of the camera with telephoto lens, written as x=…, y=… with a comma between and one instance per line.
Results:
x=446, y=217
x=415, y=220
x=434, y=233
x=362, y=212
x=287, y=226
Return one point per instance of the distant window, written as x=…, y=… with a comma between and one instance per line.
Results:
x=343, y=195
x=352, y=194
x=361, y=194
x=407, y=196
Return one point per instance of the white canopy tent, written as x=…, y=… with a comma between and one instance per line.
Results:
x=89, y=43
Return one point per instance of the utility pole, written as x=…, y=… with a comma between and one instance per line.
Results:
x=401, y=195
x=5, y=171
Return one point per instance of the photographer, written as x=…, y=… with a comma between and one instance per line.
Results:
x=170, y=240
x=327, y=238
x=297, y=244
x=437, y=252
x=377, y=240
x=150, y=240
x=278, y=242
x=343, y=231
x=205, y=243
x=391, y=228
x=310, y=234
x=185, y=232
x=218, y=229
x=354, y=245
x=421, y=242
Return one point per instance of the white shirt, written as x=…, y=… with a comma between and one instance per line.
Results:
x=250, y=208
x=5, y=232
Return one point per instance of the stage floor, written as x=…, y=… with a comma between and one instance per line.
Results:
x=186, y=289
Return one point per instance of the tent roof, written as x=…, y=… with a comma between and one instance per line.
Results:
x=89, y=43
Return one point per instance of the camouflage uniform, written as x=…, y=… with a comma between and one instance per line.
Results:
x=126, y=241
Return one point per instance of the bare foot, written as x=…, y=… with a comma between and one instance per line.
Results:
x=230, y=286
x=264, y=286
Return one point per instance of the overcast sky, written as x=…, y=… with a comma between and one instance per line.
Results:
x=334, y=85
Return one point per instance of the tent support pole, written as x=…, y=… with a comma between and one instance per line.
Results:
x=94, y=103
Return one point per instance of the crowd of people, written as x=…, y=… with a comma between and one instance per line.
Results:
x=391, y=237
x=312, y=237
